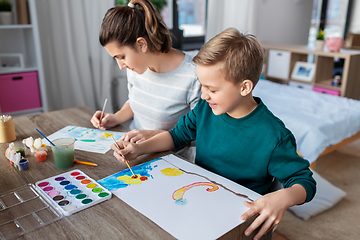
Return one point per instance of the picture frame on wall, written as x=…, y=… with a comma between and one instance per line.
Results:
x=11, y=61
x=303, y=71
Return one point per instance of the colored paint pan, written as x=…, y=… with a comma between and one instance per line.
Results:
x=72, y=191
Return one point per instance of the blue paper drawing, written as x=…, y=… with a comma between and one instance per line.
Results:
x=88, y=139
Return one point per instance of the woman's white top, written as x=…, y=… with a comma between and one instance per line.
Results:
x=159, y=99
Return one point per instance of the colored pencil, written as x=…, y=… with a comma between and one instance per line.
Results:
x=126, y=161
x=86, y=163
x=102, y=112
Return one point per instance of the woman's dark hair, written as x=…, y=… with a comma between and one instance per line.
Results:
x=124, y=24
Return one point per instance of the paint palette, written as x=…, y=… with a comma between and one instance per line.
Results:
x=23, y=210
x=72, y=191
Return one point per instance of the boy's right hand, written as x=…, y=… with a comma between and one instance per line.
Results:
x=130, y=150
x=107, y=121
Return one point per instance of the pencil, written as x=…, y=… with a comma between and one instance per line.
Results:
x=86, y=163
x=126, y=161
x=102, y=112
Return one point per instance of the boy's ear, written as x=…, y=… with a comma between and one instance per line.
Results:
x=142, y=44
x=246, y=87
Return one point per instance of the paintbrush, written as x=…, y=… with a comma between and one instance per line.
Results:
x=126, y=161
x=102, y=112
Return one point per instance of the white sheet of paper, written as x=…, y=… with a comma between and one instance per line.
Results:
x=176, y=197
x=87, y=139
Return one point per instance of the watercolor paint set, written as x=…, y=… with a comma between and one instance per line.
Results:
x=35, y=205
x=72, y=191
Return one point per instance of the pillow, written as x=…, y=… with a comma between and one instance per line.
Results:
x=326, y=196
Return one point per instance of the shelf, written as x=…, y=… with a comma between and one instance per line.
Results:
x=15, y=26
x=18, y=70
x=300, y=81
x=27, y=112
x=327, y=84
x=324, y=68
x=24, y=39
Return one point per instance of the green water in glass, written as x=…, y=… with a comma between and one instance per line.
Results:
x=63, y=153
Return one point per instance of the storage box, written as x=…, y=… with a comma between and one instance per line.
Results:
x=326, y=90
x=278, y=64
x=19, y=91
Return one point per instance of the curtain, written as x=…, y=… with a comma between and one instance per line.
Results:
x=78, y=71
x=240, y=14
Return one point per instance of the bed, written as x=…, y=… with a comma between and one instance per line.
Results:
x=321, y=123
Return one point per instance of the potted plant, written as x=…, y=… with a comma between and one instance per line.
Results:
x=6, y=15
x=320, y=40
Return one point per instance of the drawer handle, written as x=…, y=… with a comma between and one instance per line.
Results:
x=17, y=78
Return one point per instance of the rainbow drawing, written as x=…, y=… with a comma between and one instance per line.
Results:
x=178, y=194
x=180, y=197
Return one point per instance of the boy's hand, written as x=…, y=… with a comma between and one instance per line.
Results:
x=130, y=150
x=271, y=208
x=107, y=121
x=138, y=136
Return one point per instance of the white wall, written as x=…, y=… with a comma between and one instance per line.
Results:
x=272, y=21
x=283, y=21
x=354, y=25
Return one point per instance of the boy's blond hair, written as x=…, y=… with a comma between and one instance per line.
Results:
x=240, y=56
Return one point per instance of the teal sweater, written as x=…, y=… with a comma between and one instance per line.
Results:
x=249, y=150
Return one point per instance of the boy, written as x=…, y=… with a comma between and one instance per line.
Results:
x=236, y=135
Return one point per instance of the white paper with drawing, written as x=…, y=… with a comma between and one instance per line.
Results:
x=88, y=139
x=184, y=199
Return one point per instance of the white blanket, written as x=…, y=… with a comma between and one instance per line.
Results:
x=317, y=120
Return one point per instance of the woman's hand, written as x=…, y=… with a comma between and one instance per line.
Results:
x=128, y=149
x=107, y=121
x=138, y=136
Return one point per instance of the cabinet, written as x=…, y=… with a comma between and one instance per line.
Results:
x=278, y=64
x=19, y=92
x=23, y=39
x=324, y=68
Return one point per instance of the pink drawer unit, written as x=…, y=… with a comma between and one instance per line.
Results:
x=326, y=90
x=19, y=91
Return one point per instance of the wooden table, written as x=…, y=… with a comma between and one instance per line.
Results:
x=112, y=219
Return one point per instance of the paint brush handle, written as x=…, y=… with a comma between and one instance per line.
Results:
x=127, y=163
x=102, y=112
x=45, y=137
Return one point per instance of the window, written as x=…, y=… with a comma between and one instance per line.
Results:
x=331, y=16
x=186, y=19
x=189, y=16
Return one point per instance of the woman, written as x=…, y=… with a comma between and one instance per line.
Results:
x=162, y=81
